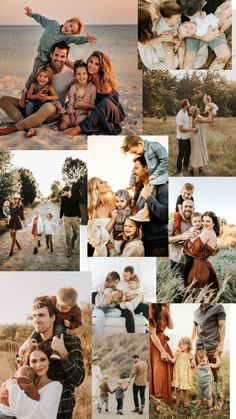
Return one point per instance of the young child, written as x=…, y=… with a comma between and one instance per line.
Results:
x=186, y=193
x=196, y=221
x=106, y=302
x=182, y=373
x=49, y=226
x=210, y=108
x=68, y=313
x=119, y=215
x=133, y=296
x=203, y=376
x=104, y=394
x=6, y=210
x=36, y=226
x=83, y=91
x=119, y=394
x=26, y=378
x=53, y=33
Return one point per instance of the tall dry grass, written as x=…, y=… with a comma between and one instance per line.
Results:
x=220, y=143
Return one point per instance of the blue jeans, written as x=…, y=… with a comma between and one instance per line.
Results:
x=101, y=313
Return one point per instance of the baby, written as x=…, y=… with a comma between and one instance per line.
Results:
x=26, y=378
x=203, y=376
x=119, y=393
x=133, y=296
x=123, y=203
x=104, y=394
x=68, y=313
x=211, y=108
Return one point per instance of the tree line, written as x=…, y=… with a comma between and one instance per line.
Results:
x=163, y=91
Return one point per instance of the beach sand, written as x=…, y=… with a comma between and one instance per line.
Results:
x=49, y=138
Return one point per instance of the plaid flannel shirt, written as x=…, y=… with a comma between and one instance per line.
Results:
x=70, y=372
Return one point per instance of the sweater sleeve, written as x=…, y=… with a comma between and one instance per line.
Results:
x=162, y=156
x=25, y=408
x=70, y=109
x=43, y=21
x=96, y=234
x=75, y=39
x=159, y=205
x=75, y=320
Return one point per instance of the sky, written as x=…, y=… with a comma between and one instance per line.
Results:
x=90, y=11
x=105, y=159
x=45, y=165
x=28, y=285
x=211, y=194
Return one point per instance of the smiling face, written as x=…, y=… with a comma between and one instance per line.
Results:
x=42, y=78
x=58, y=59
x=207, y=222
x=93, y=65
x=81, y=75
x=42, y=321
x=39, y=362
x=132, y=285
x=130, y=228
x=187, y=209
x=183, y=347
x=139, y=171
x=197, y=222
x=187, y=193
x=173, y=20
x=102, y=186
x=187, y=29
x=70, y=27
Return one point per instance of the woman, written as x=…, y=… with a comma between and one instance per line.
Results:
x=101, y=203
x=160, y=365
x=17, y=215
x=199, y=153
x=108, y=112
x=132, y=244
x=50, y=391
x=200, y=249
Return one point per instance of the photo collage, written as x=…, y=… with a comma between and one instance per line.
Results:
x=117, y=197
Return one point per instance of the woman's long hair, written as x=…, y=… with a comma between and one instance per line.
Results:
x=46, y=349
x=145, y=32
x=106, y=71
x=215, y=220
x=157, y=312
x=93, y=197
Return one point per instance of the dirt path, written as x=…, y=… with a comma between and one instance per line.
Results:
x=128, y=405
x=25, y=260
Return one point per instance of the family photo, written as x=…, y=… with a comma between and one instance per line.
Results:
x=201, y=264
x=190, y=361
x=72, y=82
x=197, y=110
x=120, y=376
x=184, y=34
x=120, y=297
x=127, y=196
x=45, y=346
x=41, y=212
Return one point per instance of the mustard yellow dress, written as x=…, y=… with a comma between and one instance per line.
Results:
x=182, y=372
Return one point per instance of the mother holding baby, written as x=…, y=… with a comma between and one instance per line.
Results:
x=48, y=392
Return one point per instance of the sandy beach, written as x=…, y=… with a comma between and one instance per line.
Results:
x=48, y=137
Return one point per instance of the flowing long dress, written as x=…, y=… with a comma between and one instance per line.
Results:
x=202, y=270
x=160, y=371
x=106, y=117
x=199, y=153
x=98, y=236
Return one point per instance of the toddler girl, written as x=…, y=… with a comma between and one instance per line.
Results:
x=84, y=92
x=123, y=204
x=49, y=226
x=210, y=108
x=54, y=33
x=182, y=373
x=36, y=230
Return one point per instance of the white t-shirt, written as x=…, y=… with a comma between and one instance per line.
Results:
x=182, y=118
x=204, y=24
x=62, y=82
x=161, y=26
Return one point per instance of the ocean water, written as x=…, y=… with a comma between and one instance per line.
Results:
x=18, y=47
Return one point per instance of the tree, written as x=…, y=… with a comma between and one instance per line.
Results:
x=29, y=186
x=56, y=189
x=74, y=174
x=9, y=178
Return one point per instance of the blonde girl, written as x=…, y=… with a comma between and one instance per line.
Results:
x=210, y=108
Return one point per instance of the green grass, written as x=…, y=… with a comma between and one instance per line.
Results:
x=220, y=143
x=198, y=412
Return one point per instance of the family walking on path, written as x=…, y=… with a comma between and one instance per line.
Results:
x=104, y=384
x=39, y=239
x=177, y=372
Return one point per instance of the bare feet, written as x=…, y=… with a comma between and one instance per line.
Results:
x=8, y=130
x=30, y=133
x=73, y=131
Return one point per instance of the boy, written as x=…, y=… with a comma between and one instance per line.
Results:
x=119, y=393
x=104, y=394
x=186, y=193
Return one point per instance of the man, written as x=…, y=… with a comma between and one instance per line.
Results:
x=155, y=231
x=183, y=137
x=209, y=332
x=62, y=80
x=215, y=40
x=70, y=369
x=176, y=241
x=139, y=373
x=70, y=210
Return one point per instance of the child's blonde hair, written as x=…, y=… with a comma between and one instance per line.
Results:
x=201, y=354
x=196, y=214
x=46, y=69
x=186, y=341
x=207, y=97
x=129, y=142
x=68, y=295
x=80, y=24
x=188, y=187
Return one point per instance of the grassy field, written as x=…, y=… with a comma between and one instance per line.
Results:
x=168, y=288
x=170, y=411
x=220, y=143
